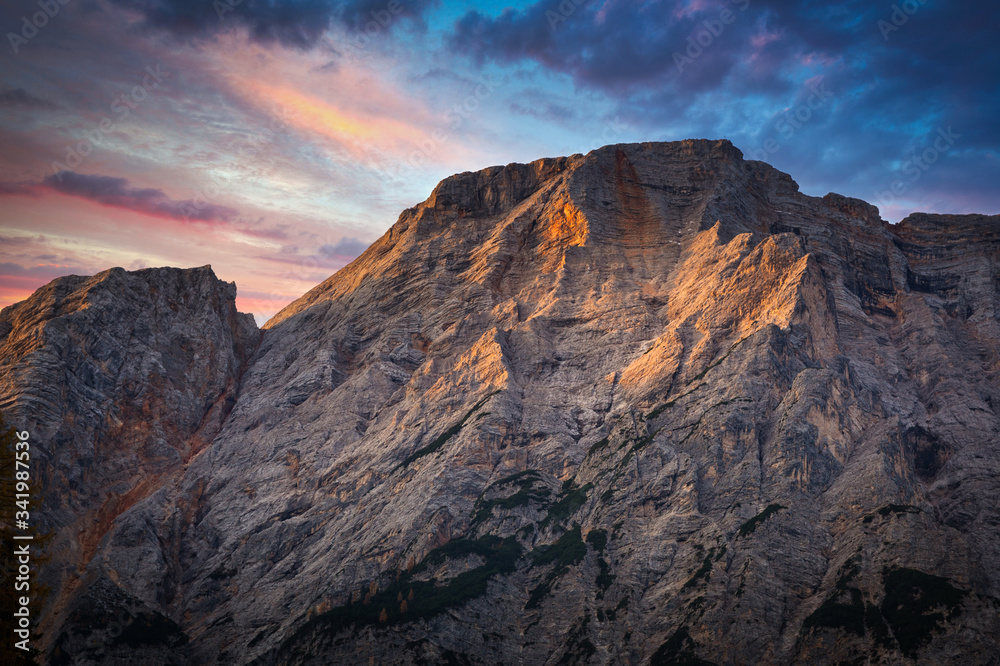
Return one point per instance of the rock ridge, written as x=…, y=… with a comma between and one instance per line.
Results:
x=646, y=405
x=124, y=377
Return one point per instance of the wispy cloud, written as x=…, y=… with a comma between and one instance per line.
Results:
x=21, y=98
x=117, y=193
x=21, y=189
x=344, y=248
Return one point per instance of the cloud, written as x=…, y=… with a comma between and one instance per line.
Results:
x=116, y=192
x=22, y=189
x=15, y=240
x=44, y=272
x=295, y=23
x=269, y=233
x=345, y=247
x=21, y=98
x=546, y=111
x=893, y=88
x=303, y=265
x=615, y=46
x=758, y=48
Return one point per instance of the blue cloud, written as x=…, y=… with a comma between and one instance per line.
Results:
x=897, y=73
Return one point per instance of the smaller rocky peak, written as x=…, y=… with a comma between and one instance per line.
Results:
x=116, y=293
x=496, y=189
x=943, y=225
x=856, y=208
x=717, y=152
x=722, y=150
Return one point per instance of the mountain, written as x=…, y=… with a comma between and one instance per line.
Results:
x=648, y=405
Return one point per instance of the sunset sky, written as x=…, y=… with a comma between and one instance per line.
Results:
x=276, y=139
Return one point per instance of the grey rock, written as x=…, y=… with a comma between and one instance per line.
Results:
x=646, y=405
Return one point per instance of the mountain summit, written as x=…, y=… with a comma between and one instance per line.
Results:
x=648, y=405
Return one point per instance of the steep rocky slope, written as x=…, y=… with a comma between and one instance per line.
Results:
x=121, y=379
x=647, y=405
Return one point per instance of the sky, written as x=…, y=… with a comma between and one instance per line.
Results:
x=276, y=139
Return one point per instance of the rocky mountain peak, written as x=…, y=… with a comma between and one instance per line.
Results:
x=618, y=196
x=646, y=405
x=495, y=189
x=123, y=378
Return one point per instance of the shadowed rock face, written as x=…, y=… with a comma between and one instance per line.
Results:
x=122, y=379
x=647, y=405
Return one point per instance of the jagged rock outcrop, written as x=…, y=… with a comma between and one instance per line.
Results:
x=647, y=405
x=121, y=379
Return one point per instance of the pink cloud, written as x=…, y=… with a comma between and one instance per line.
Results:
x=692, y=7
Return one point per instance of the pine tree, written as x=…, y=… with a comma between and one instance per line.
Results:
x=383, y=617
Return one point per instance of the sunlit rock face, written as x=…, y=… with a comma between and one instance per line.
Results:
x=646, y=405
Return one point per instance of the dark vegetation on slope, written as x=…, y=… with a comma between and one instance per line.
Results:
x=750, y=526
x=443, y=438
x=914, y=606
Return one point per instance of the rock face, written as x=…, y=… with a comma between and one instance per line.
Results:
x=650, y=405
x=121, y=379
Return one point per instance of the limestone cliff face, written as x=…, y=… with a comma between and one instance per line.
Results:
x=122, y=379
x=647, y=405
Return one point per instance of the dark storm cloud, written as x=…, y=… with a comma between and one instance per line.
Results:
x=619, y=45
x=297, y=23
x=895, y=74
x=941, y=57
x=615, y=45
x=116, y=192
